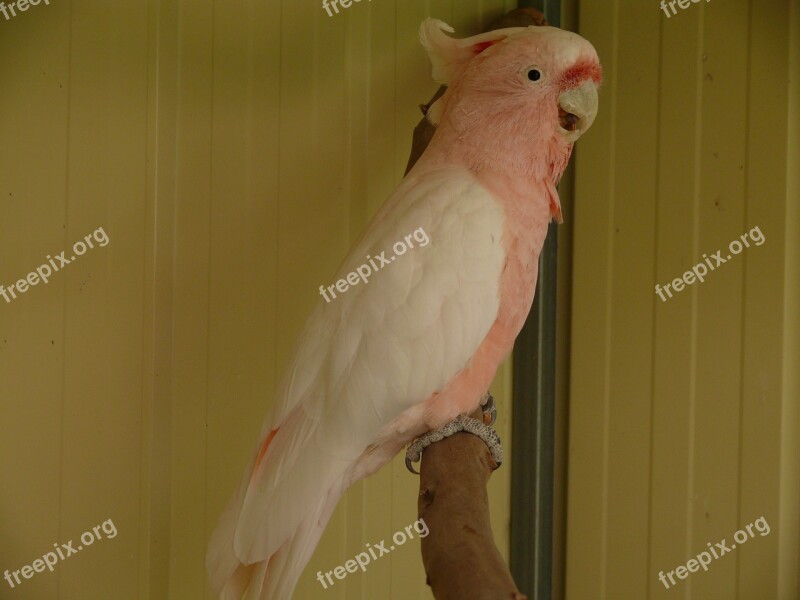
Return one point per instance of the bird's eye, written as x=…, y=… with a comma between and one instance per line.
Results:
x=534, y=75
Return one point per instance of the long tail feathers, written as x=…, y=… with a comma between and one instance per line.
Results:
x=287, y=564
x=275, y=576
x=222, y=564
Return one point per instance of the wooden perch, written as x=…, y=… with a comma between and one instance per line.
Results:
x=460, y=557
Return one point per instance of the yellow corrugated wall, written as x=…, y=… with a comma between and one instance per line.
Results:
x=684, y=414
x=232, y=151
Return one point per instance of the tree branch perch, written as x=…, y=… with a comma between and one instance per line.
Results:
x=460, y=557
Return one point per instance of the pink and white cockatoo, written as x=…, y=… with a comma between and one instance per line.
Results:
x=419, y=343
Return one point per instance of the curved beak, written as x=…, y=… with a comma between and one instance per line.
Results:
x=577, y=109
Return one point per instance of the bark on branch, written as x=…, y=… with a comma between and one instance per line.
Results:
x=460, y=557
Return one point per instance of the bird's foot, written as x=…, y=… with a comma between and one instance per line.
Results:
x=481, y=429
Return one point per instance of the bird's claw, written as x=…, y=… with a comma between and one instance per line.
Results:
x=489, y=409
x=410, y=465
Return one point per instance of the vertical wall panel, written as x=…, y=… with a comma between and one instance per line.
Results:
x=764, y=395
x=634, y=169
x=714, y=462
x=191, y=371
x=33, y=206
x=675, y=226
x=71, y=366
x=154, y=538
x=683, y=422
x=588, y=402
x=32, y=224
x=788, y=543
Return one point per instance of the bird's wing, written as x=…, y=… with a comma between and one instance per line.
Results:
x=380, y=347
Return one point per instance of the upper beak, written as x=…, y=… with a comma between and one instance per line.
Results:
x=577, y=110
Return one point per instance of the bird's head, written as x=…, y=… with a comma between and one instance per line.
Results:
x=519, y=96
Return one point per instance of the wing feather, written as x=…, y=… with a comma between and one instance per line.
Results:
x=379, y=348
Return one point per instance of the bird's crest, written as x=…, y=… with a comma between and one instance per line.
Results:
x=449, y=56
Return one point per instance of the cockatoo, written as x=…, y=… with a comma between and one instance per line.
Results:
x=419, y=343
